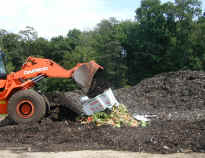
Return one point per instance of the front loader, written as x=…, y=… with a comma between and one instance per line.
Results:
x=23, y=104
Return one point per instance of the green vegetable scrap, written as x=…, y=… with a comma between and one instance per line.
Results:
x=115, y=117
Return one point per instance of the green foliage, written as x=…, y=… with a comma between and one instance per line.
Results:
x=51, y=84
x=108, y=36
x=163, y=39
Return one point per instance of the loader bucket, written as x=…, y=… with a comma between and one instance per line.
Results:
x=83, y=76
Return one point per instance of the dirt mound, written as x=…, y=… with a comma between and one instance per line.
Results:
x=174, y=91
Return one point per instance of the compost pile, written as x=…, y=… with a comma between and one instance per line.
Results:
x=166, y=92
x=172, y=93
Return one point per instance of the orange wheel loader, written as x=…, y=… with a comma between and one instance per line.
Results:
x=23, y=104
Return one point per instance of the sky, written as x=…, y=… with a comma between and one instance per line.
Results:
x=51, y=18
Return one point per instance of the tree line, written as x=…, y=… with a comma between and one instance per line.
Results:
x=163, y=37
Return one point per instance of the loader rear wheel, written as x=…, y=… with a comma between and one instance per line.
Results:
x=26, y=106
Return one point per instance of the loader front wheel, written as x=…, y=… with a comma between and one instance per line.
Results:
x=26, y=106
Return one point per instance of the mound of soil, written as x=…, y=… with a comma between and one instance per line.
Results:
x=174, y=91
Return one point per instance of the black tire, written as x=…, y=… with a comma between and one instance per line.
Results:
x=31, y=101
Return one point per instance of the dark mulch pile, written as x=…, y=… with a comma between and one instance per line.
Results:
x=169, y=93
x=174, y=91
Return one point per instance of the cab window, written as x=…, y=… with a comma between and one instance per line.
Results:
x=2, y=68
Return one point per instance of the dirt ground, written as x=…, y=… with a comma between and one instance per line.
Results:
x=96, y=154
x=176, y=98
x=158, y=137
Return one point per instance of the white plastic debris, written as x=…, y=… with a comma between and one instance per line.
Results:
x=84, y=99
x=100, y=103
x=141, y=117
x=145, y=117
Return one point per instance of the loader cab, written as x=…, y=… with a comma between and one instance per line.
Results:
x=3, y=72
